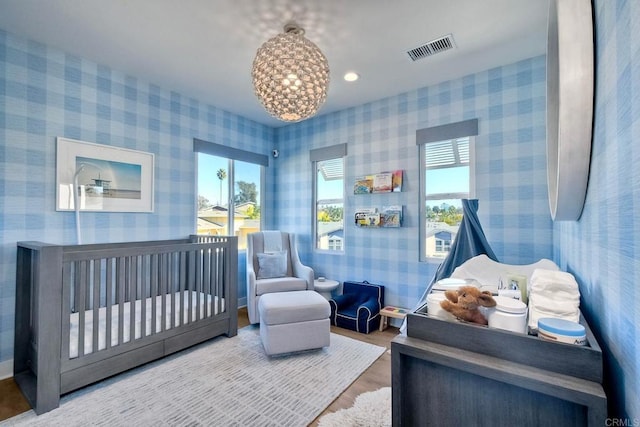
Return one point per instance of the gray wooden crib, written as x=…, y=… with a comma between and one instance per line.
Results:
x=87, y=312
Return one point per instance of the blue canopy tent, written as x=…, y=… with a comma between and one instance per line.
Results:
x=469, y=242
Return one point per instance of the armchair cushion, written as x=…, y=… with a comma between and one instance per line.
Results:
x=271, y=265
x=280, y=284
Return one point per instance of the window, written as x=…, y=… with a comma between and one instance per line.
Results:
x=446, y=170
x=443, y=243
x=329, y=197
x=223, y=171
x=335, y=243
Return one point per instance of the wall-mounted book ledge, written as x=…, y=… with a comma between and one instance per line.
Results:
x=383, y=182
x=387, y=217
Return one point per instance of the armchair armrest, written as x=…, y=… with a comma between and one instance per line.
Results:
x=297, y=267
x=251, y=292
x=343, y=300
x=304, y=272
x=251, y=277
x=371, y=306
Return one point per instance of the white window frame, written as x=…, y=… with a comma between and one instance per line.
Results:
x=338, y=151
x=439, y=134
x=232, y=155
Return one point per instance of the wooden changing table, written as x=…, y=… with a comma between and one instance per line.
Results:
x=447, y=373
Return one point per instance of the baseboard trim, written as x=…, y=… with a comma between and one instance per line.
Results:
x=6, y=369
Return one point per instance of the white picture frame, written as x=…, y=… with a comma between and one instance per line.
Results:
x=108, y=179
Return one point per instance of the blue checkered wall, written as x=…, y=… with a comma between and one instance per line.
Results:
x=46, y=93
x=509, y=102
x=601, y=249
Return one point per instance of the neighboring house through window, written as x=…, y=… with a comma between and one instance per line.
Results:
x=223, y=171
x=447, y=177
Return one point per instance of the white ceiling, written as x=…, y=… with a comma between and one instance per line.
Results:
x=205, y=48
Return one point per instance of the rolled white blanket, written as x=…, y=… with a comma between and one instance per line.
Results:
x=553, y=294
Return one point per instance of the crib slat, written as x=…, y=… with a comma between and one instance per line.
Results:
x=163, y=291
x=143, y=291
x=167, y=290
x=108, y=295
x=170, y=293
x=192, y=282
x=214, y=281
x=219, y=279
x=206, y=284
x=175, y=287
x=199, y=268
x=131, y=279
x=154, y=292
x=80, y=280
x=97, y=264
x=120, y=283
x=175, y=311
x=182, y=283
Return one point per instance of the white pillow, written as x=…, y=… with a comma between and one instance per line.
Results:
x=272, y=265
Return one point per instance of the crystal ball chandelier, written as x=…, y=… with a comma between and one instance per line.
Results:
x=290, y=75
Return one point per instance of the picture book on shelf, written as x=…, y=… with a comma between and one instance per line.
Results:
x=368, y=217
x=397, y=181
x=383, y=182
x=391, y=216
x=363, y=185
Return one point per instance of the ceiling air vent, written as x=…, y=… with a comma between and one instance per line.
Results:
x=432, y=47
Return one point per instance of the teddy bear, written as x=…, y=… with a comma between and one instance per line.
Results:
x=465, y=302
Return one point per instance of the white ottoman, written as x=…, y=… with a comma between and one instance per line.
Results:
x=294, y=321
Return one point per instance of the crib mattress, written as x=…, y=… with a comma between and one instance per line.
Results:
x=208, y=307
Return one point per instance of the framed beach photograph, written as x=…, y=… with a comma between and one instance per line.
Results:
x=106, y=179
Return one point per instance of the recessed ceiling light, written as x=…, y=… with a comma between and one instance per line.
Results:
x=351, y=76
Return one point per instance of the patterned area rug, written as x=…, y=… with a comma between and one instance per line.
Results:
x=226, y=382
x=372, y=409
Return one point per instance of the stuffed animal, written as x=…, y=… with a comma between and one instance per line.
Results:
x=465, y=302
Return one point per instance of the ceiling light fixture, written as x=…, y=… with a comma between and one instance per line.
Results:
x=351, y=76
x=290, y=75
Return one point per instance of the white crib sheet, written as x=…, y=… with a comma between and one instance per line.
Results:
x=205, y=302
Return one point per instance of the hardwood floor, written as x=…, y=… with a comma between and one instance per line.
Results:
x=12, y=402
x=378, y=375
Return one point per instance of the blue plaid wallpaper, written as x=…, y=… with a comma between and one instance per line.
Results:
x=46, y=93
x=509, y=103
x=601, y=249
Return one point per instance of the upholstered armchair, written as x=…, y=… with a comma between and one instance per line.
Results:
x=358, y=308
x=273, y=265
